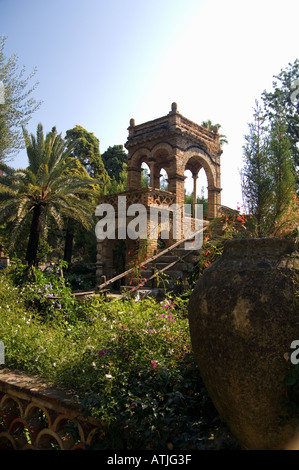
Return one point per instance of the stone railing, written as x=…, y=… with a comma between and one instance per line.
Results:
x=37, y=416
x=145, y=196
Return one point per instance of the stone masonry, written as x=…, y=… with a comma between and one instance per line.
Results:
x=175, y=144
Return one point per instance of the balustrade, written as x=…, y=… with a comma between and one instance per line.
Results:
x=37, y=416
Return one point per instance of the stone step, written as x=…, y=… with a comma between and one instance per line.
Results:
x=156, y=292
x=167, y=279
x=166, y=258
x=161, y=265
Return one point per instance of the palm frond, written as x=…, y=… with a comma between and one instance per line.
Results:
x=53, y=181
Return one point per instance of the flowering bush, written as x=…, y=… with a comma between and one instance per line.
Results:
x=130, y=362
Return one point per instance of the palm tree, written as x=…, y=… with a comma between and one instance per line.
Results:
x=51, y=186
x=214, y=128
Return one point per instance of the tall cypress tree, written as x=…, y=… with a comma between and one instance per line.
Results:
x=282, y=101
x=268, y=176
x=256, y=180
x=281, y=170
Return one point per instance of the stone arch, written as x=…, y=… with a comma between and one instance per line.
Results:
x=142, y=155
x=196, y=159
x=160, y=160
x=156, y=158
x=173, y=143
x=162, y=152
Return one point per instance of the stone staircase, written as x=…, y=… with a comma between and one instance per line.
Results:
x=169, y=272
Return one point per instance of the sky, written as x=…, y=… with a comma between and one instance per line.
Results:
x=102, y=62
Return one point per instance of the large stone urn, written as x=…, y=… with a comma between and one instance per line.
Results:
x=243, y=318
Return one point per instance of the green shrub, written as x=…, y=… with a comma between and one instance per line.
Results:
x=131, y=363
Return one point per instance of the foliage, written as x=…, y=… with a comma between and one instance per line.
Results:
x=281, y=101
x=270, y=173
x=283, y=207
x=50, y=187
x=114, y=159
x=220, y=230
x=188, y=199
x=215, y=128
x=18, y=105
x=268, y=179
x=130, y=362
x=145, y=176
x=85, y=148
x=256, y=181
x=120, y=185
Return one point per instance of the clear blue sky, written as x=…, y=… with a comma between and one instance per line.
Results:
x=101, y=62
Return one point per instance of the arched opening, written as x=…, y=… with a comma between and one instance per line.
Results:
x=188, y=186
x=145, y=175
x=196, y=185
x=163, y=179
x=202, y=185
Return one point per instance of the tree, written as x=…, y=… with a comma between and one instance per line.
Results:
x=189, y=199
x=50, y=187
x=85, y=148
x=119, y=185
x=214, y=128
x=256, y=181
x=86, y=151
x=114, y=159
x=268, y=178
x=283, y=102
x=283, y=175
x=16, y=104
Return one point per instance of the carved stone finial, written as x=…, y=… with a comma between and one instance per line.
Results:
x=174, y=107
x=132, y=122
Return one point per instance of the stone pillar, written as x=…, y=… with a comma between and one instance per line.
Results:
x=214, y=202
x=176, y=185
x=100, y=263
x=134, y=178
x=194, y=194
x=151, y=165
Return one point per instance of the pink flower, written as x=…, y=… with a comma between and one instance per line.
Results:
x=102, y=352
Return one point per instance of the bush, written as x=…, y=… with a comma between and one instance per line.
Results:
x=130, y=362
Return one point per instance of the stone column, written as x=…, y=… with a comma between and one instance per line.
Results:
x=151, y=165
x=134, y=178
x=214, y=202
x=194, y=194
x=100, y=263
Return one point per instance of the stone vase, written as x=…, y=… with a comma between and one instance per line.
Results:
x=243, y=318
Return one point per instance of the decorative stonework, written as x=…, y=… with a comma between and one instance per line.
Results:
x=145, y=196
x=36, y=416
x=175, y=144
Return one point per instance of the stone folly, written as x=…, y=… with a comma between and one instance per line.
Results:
x=174, y=144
